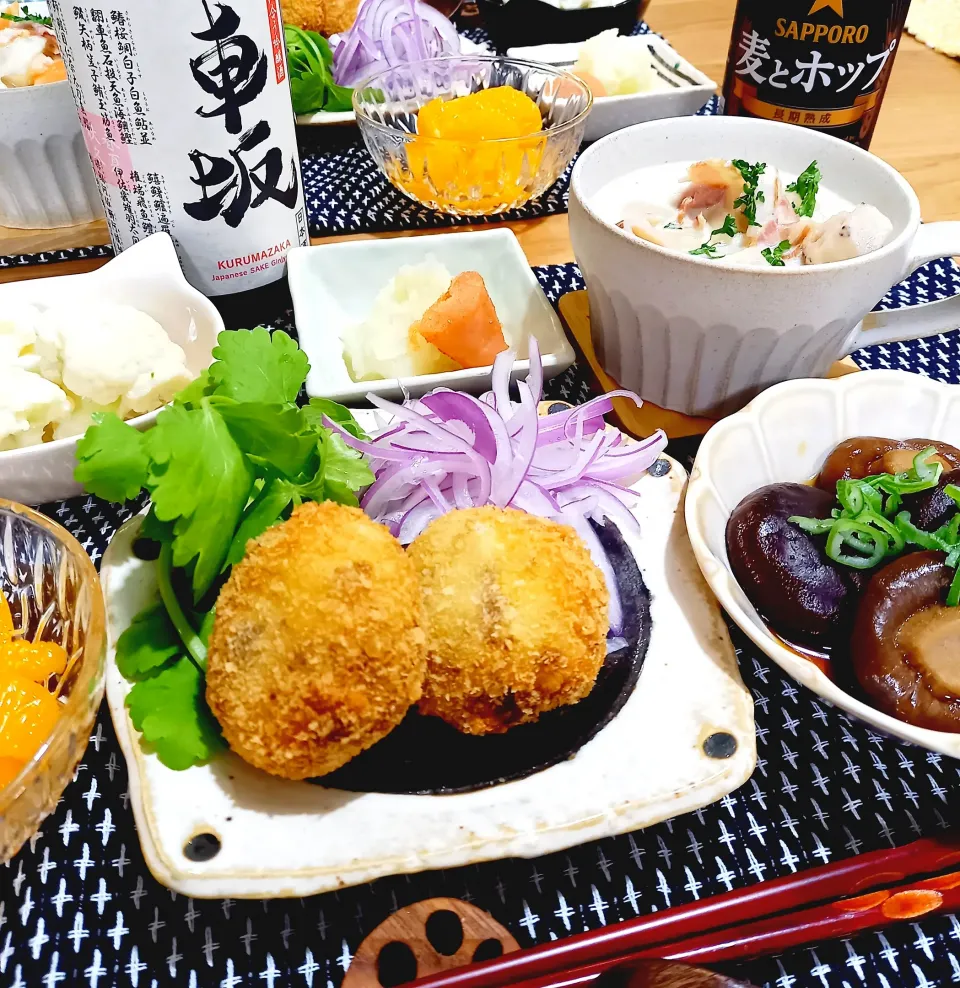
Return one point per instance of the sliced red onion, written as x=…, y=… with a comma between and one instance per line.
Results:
x=391, y=32
x=449, y=450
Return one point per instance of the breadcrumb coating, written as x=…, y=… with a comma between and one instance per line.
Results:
x=324, y=16
x=515, y=616
x=316, y=651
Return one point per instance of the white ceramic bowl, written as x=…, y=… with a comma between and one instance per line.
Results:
x=784, y=435
x=704, y=336
x=148, y=277
x=611, y=113
x=334, y=285
x=45, y=175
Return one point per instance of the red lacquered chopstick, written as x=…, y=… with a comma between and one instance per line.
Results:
x=596, y=950
x=774, y=934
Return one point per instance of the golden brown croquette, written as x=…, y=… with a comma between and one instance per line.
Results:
x=515, y=616
x=324, y=16
x=316, y=651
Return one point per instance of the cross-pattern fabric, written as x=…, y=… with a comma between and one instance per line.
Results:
x=79, y=908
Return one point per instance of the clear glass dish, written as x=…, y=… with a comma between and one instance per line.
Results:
x=470, y=178
x=54, y=594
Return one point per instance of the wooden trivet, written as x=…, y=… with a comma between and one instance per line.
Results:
x=425, y=938
x=575, y=313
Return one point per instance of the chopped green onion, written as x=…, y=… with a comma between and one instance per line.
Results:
x=926, y=540
x=812, y=526
x=847, y=531
x=952, y=490
x=953, y=594
x=923, y=469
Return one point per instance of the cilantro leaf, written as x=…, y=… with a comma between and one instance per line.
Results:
x=751, y=194
x=252, y=365
x=111, y=459
x=150, y=642
x=200, y=480
x=707, y=249
x=774, y=255
x=264, y=512
x=314, y=411
x=343, y=471
x=170, y=711
x=197, y=389
x=272, y=434
x=806, y=187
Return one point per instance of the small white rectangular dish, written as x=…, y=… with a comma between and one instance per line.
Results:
x=784, y=435
x=147, y=277
x=652, y=761
x=690, y=88
x=333, y=287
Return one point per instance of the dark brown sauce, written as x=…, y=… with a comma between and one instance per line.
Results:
x=822, y=658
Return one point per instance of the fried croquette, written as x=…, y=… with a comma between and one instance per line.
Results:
x=316, y=651
x=515, y=617
x=324, y=16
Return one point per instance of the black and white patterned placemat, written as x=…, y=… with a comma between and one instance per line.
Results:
x=79, y=908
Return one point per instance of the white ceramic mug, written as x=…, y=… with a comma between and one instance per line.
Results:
x=704, y=336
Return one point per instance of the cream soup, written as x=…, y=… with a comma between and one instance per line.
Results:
x=745, y=213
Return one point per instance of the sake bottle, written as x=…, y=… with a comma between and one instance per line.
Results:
x=186, y=113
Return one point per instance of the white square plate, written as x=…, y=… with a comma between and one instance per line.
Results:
x=280, y=838
x=333, y=287
x=612, y=113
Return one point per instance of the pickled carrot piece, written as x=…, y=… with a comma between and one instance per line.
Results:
x=463, y=323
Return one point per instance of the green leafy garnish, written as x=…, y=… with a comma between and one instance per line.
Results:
x=231, y=456
x=874, y=530
x=774, y=255
x=170, y=711
x=252, y=365
x=806, y=187
x=111, y=459
x=751, y=194
x=27, y=18
x=728, y=228
x=310, y=63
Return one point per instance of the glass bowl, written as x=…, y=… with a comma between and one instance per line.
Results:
x=54, y=594
x=470, y=178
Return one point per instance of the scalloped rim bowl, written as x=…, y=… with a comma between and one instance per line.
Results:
x=784, y=435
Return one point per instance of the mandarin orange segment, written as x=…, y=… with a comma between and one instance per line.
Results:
x=6, y=618
x=28, y=713
x=37, y=661
x=476, y=173
x=10, y=768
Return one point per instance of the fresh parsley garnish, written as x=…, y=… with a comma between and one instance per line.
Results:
x=672, y=226
x=751, y=194
x=774, y=255
x=708, y=248
x=806, y=187
x=310, y=62
x=232, y=455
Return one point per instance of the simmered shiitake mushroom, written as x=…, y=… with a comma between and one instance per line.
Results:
x=905, y=646
x=864, y=456
x=932, y=508
x=804, y=596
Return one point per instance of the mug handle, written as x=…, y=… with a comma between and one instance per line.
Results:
x=933, y=240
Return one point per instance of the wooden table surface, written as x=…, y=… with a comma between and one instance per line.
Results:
x=918, y=133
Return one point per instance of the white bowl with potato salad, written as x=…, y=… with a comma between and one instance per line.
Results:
x=725, y=254
x=124, y=338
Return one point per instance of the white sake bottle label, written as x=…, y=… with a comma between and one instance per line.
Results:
x=185, y=108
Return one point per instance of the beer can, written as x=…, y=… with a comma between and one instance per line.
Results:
x=823, y=64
